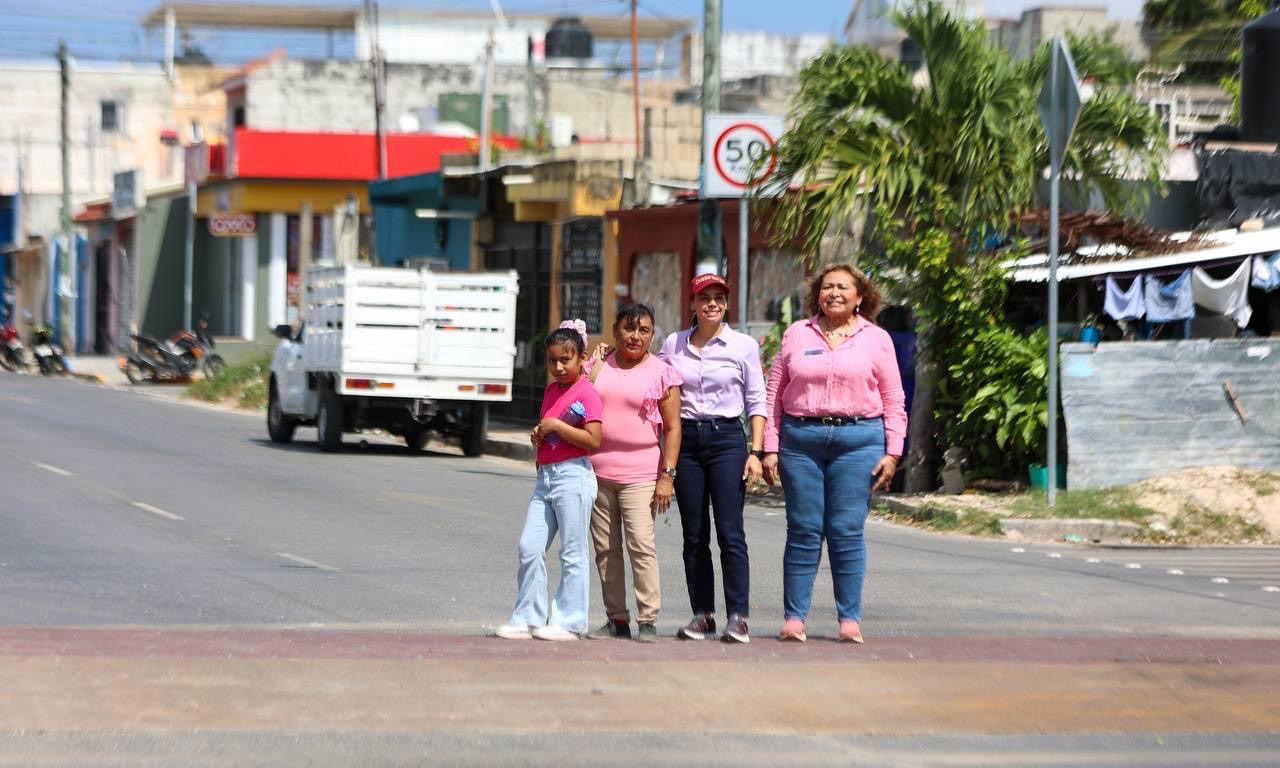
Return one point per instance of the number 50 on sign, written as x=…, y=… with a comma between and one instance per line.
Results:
x=734, y=145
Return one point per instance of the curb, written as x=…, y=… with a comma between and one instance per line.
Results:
x=509, y=450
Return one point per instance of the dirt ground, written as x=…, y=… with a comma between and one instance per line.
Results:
x=1250, y=494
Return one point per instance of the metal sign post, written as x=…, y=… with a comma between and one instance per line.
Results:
x=1060, y=101
x=734, y=143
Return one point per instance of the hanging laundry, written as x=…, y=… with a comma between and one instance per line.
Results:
x=1266, y=272
x=1228, y=297
x=1128, y=304
x=1170, y=301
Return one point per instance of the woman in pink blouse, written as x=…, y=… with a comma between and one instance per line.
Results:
x=836, y=427
x=635, y=469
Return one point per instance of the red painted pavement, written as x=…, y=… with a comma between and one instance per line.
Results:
x=342, y=644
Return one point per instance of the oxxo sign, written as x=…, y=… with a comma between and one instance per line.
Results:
x=233, y=224
x=734, y=144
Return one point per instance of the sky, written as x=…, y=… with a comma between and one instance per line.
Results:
x=110, y=29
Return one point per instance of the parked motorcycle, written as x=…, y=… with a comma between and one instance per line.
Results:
x=13, y=355
x=178, y=357
x=48, y=354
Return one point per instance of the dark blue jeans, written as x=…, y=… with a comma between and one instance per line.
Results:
x=826, y=476
x=709, y=475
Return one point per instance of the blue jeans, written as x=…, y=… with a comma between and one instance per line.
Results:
x=826, y=476
x=709, y=475
x=561, y=502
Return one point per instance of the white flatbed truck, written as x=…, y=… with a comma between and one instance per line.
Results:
x=409, y=351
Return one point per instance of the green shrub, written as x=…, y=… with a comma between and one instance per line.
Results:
x=1000, y=385
x=244, y=384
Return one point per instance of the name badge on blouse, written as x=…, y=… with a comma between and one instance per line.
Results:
x=813, y=351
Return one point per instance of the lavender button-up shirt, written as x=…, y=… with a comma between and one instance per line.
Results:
x=723, y=380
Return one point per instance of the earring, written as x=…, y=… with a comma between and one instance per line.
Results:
x=857, y=310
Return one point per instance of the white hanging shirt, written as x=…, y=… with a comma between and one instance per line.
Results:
x=1229, y=296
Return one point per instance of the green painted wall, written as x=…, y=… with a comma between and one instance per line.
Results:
x=161, y=240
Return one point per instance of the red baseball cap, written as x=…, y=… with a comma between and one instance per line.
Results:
x=704, y=281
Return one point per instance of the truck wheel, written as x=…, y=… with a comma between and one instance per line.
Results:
x=279, y=426
x=473, y=436
x=416, y=438
x=329, y=421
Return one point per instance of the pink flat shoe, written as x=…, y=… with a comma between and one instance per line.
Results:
x=793, y=631
x=850, y=632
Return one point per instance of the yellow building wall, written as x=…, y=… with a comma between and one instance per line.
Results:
x=279, y=196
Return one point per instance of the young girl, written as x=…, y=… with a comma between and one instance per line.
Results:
x=567, y=434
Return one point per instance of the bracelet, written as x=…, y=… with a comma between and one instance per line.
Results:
x=758, y=454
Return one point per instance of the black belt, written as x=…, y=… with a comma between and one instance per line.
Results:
x=716, y=420
x=832, y=421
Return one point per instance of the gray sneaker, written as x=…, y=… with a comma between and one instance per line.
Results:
x=736, y=630
x=612, y=628
x=648, y=634
x=697, y=629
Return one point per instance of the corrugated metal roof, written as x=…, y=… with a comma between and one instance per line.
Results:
x=1218, y=246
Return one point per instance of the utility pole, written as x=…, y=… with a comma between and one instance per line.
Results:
x=486, y=94
x=709, y=218
x=635, y=77
x=66, y=316
x=170, y=40
x=379, y=86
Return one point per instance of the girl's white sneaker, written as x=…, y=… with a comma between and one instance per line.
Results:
x=513, y=632
x=553, y=633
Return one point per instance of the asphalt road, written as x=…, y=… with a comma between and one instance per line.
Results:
x=123, y=511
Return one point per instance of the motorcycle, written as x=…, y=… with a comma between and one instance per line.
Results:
x=178, y=357
x=48, y=355
x=13, y=355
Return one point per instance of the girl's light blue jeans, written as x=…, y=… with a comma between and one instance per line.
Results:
x=561, y=503
x=826, y=476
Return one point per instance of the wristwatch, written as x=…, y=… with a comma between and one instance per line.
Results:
x=758, y=454
x=669, y=472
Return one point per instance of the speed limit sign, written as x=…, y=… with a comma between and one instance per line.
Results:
x=735, y=145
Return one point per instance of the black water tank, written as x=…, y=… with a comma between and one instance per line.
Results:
x=568, y=38
x=1260, y=79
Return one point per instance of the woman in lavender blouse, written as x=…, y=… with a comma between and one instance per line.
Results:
x=722, y=381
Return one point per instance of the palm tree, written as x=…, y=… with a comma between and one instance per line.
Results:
x=956, y=149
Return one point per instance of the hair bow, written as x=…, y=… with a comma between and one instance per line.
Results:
x=579, y=326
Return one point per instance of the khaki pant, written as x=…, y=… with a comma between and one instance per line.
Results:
x=623, y=510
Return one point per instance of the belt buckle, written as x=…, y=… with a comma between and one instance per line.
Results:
x=831, y=421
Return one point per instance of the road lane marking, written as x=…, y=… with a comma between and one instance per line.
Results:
x=1175, y=572
x=1093, y=560
x=53, y=469
x=1055, y=554
x=1133, y=566
x=1270, y=589
x=1220, y=580
x=1018, y=550
x=157, y=511
x=306, y=562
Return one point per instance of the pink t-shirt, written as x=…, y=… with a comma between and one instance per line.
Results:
x=630, y=451
x=575, y=405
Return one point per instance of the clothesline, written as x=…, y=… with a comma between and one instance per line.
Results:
x=1149, y=298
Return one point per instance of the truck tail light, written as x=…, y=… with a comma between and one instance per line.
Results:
x=494, y=389
x=361, y=383
x=466, y=387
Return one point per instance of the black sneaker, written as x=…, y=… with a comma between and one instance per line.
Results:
x=648, y=634
x=613, y=628
x=736, y=630
x=698, y=628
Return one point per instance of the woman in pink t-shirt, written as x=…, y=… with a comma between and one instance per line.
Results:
x=635, y=469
